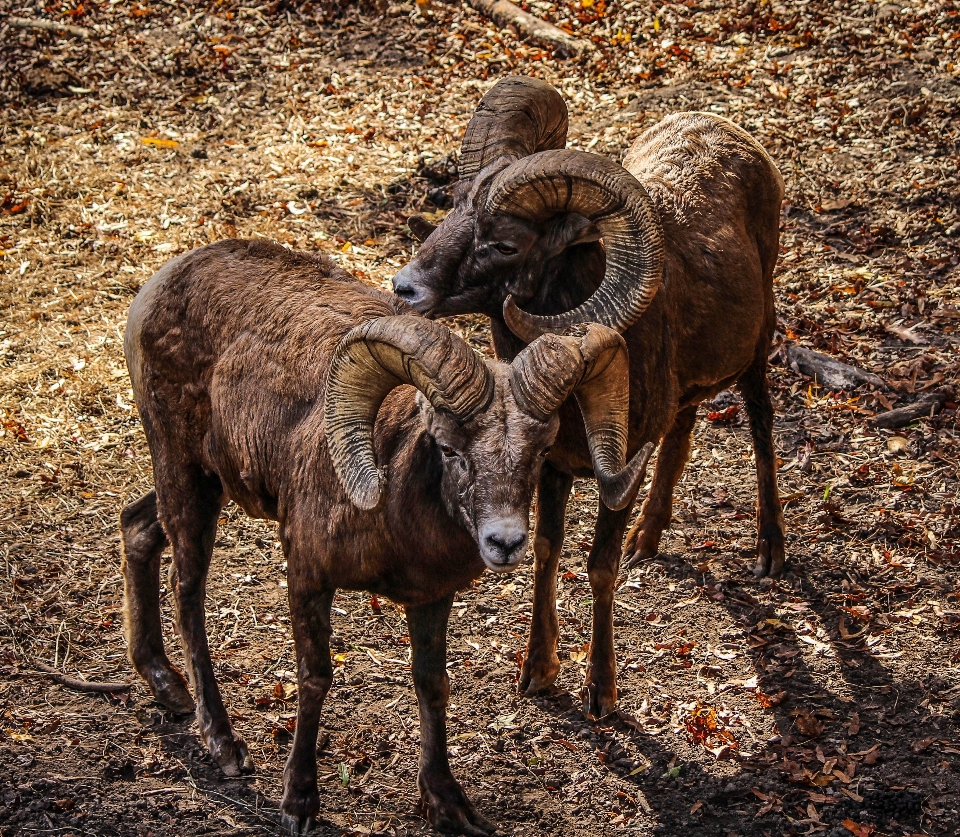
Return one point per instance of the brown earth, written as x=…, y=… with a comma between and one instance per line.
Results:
x=825, y=703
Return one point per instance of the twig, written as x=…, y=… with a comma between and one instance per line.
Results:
x=79, y=685
x=902, y=416
x=206, y=791
x=49, y=26
x=505, y=13
x=160, y=791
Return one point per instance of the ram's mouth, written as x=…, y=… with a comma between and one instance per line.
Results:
x=497, y=565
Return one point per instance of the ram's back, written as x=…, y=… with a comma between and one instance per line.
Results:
x=718, y=195
x=698, y=163
x=228, y=348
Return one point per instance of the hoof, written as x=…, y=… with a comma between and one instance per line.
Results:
x=299, y=806
x=637, y=558
x=771, y=555
x=295, y=826
x=598, y=701
x=538, y=678
x=450, y=812
x=170, y=689
x=231, y=755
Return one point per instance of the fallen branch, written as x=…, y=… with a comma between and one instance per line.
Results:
x=49, y=26
x=902, y=416
x=506, y=14
x=79, y=685
x=830, y=372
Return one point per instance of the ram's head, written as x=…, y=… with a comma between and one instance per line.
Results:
x=491, y=423
x=526, y=208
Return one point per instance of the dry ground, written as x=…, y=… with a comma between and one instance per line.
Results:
x=827, y=703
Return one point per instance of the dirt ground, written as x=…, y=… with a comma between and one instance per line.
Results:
x=826, y=703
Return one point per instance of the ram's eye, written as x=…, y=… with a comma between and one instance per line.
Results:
x=545, y=452
x=506, y=249
x=446, y=450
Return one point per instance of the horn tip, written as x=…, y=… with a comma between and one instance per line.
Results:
x=369, y=493
x=520, y=322
x=621, y=490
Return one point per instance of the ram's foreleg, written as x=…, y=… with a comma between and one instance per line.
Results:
x=643, y=540
x=600, y=686
x=310, y=617
x=541, y=666
x=446, y=805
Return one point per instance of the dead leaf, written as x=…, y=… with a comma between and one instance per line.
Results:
x=157, y=142
x=858, y=829
x=897, y=444
x=809, y=725
x=728, y=414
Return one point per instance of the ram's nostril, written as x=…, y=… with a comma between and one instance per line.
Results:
x=505, y=544
x=402, y=286
x=503, y=541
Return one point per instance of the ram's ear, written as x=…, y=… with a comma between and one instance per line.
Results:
x=568, y=230
x=420, y=227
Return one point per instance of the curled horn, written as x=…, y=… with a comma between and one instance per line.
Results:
x=542, y=185
x=518, y=116
x=370, y=361
x=591, y=362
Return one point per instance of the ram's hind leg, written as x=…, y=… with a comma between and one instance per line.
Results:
x=143, y=543
x=190, y=503
x=771, y=550
x=643, y=540
x=541, y=666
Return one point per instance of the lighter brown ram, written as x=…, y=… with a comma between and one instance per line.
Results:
x=275, y=380
x=676, y=249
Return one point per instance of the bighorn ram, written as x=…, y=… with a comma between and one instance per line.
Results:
x=689, y=227
x=275, y=380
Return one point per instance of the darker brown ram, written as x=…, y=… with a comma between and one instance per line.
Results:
x=275, y=380
x=676, y=249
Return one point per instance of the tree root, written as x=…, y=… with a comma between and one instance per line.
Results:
x=829, y=372
x=902, y=416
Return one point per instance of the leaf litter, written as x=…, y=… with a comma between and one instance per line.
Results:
x=324, y=126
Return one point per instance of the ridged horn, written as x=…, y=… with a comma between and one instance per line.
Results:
x=590, y=361
x=370, y=361
x=542, y=185
x=517, y=117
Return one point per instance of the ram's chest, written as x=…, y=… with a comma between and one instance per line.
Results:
x=336, y=553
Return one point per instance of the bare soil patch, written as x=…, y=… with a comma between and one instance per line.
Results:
x=825, y=703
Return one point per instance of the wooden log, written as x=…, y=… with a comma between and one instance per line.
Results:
x=49, y=26
x=830, y=372
x=505, y=14
x=902, y=416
